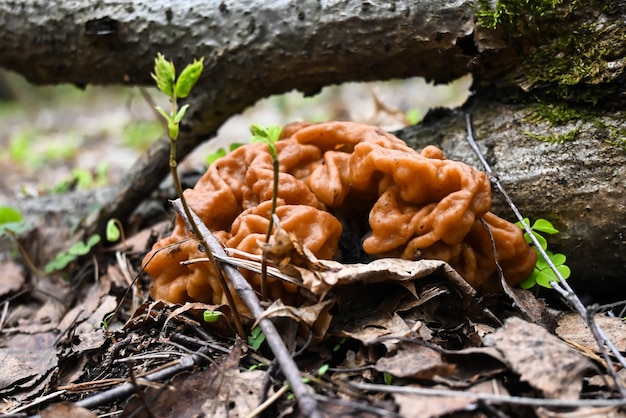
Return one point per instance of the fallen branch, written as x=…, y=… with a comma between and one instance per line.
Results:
x=308, y=405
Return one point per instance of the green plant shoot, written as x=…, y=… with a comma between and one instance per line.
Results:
x=211, y=316
x=77, y=250
x=256, y=338
x=268, y=135
x=542, y=274
x=179, y=88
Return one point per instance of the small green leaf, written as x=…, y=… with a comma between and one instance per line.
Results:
x=526, y=221
x=59, y=263
x=9, y=215
x=256, y=338
x=542, y=241
x=557, y=259
x=530, y=281
x=413, y=116
x=81, y=248
x=543, y=225
x=322, y=370
x=181, y=113
x=113, y=232
x=234, y=146
x=541, y=262
x=164, y=75
x=388, y=378
x=211, y=158
x=546, y=276
x=211, y=316
x=188, y=78
x=166, y=115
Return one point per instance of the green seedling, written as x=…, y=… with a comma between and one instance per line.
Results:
x=388, y=378
x=63, y=259
x=413, y=116
x=105, y=322
x=323, y=370
x=179, y=88
x=114, y=230
x=211, y=316
x=542, y=274
x=268, y=135
x=256, y=338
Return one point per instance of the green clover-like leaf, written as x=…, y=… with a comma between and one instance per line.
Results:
x=546, y=276
x=542, y=241
x=530, y=281
x=188, y=78
x=164, y=74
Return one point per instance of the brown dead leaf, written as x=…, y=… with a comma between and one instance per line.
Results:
x=65, y=410
x=12, y=278
x=573, y=328
x=415, y=361
x=29, y=361
x=541, y=359
x=315, y=317
x=370, y=329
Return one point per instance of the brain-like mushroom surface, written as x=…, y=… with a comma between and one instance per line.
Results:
x=419, y=205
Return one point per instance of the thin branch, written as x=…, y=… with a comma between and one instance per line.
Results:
x=562, y=286
x=492, y=397
x=308, y=405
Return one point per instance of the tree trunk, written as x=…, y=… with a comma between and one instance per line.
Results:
x=517, y=52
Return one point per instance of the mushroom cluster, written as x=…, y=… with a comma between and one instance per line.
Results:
x=418, y=205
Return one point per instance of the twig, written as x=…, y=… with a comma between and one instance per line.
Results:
x=562, y=286
x=185, y=363
x=492, y=397
x=307, y=403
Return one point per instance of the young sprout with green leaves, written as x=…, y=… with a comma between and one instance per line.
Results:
x=542, y=273
x=179, y=88
x=268, y=135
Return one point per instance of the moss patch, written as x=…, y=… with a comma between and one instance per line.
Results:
x=565, y=122
x=568, y=50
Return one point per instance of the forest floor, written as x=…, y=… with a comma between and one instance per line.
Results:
x=370, y=349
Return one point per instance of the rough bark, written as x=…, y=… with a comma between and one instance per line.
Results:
x=253, y=49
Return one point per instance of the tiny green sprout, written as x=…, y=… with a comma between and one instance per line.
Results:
x=113, y=230
x=323, y=370
x=257, y=366
x=105, y=322
x=221, y=152
x=256, y=338
x=388, y=378
x=542, y=274
x=188, y=78
x=63, y=259
x=338, y=345
x=267, y=135
x=164, y=74
x=211, y=316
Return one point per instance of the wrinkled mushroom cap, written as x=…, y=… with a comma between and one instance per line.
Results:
x=420, y=205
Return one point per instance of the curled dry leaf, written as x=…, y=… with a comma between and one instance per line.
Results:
x=541, y=359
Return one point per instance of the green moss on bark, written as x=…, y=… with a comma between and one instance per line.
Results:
x=567, y=50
